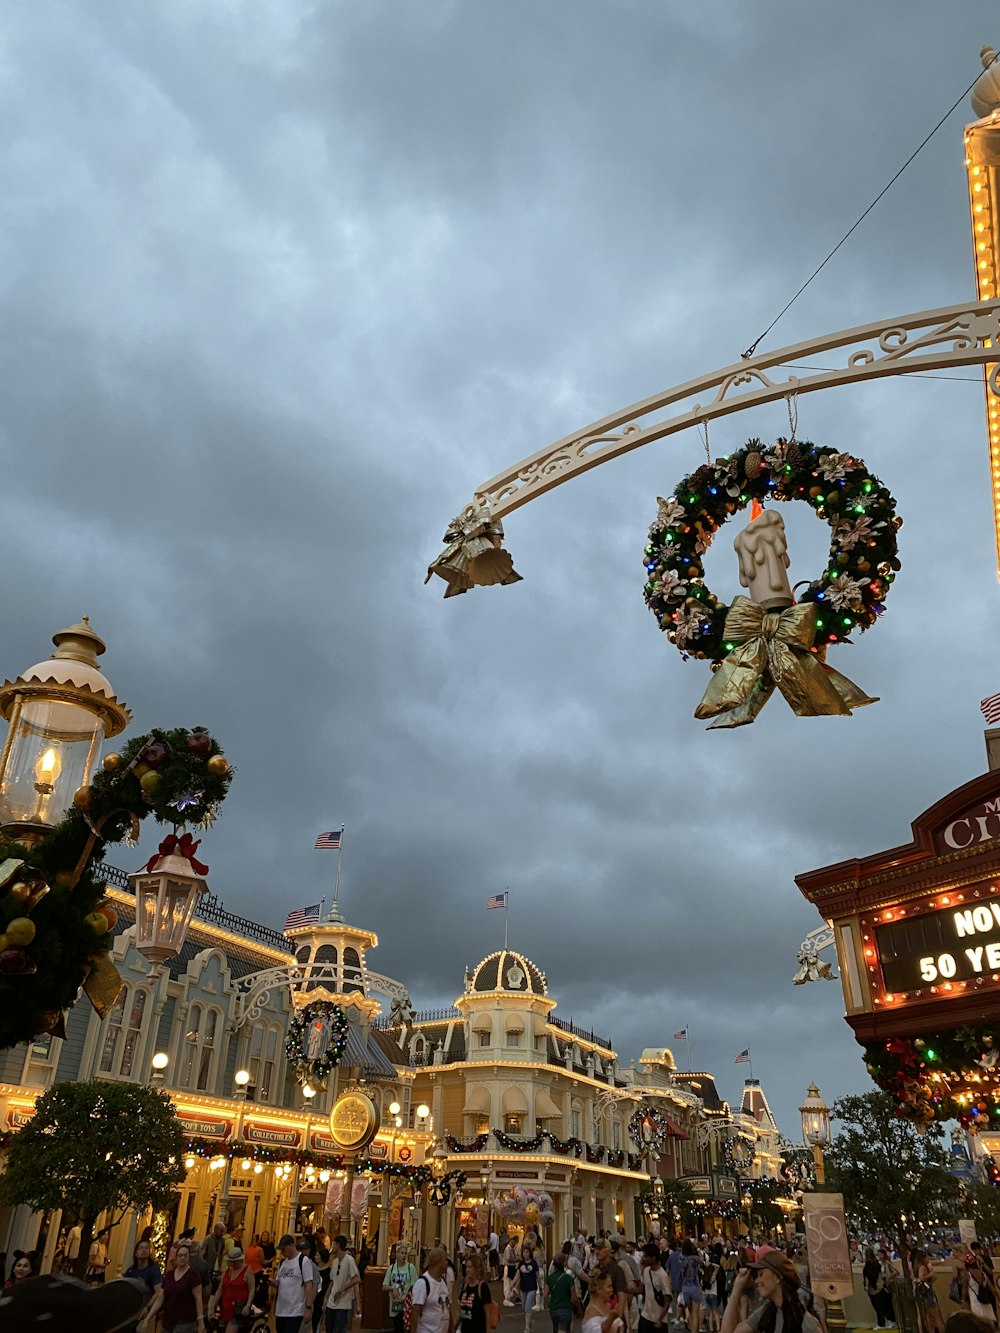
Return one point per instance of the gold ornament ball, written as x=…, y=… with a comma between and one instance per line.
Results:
x=112, y=761
x=218, y=764
x=20, y=891
x=20, y=931
x=81, y=798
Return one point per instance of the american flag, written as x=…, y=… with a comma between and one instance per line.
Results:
x=682, y=1035
x=991, y=709
x=329, y=842
x=302, y=916
x=743, y=1058
x=497, y=900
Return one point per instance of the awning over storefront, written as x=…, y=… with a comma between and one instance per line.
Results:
x=545, y=1107
x=477, y=1102
x=514, y=1102
x=674, y=1129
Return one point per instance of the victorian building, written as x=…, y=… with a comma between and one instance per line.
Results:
x=497, y=1087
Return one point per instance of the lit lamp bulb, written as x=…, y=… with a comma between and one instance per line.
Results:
x=324, y=1176
x=399, y=1122
x=245, y=1164
x=423, y=1110
x=189, y=1162
x=47, y=771
x=394, y=1108
x=308, y=1091
x=241, y=1078
x=257, y=1169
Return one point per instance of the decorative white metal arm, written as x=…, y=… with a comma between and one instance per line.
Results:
x=928, y=340
x=254, y=989
x=808, y=957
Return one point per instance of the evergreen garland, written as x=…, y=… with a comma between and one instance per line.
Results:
x=41, y=978
x=296, y=1041
x=861, y=565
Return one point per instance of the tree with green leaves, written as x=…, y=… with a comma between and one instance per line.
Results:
x=92, y=1148
x=894, y=1178
x=765, y=1210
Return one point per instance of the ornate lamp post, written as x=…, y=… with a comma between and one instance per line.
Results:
x=59, y=711
x=816, y=1133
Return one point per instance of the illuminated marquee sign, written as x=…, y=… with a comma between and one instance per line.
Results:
x=941, y=945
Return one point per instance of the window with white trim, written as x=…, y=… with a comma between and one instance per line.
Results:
x=200, y=1046
x=262, y=1059
x=123, y=1032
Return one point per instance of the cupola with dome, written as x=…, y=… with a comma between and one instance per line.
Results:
x=505, y=1007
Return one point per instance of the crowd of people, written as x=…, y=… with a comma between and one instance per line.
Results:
x=602, y=1284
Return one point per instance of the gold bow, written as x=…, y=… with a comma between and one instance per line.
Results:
x=773, y=649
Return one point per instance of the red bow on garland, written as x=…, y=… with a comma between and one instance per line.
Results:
x=184, y=846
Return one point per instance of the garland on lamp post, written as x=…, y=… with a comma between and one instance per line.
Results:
x=55, y=921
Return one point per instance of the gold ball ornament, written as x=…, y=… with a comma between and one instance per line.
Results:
x=218, y=764
x=21, y=931
x=81, y=798
x=20, y=891
x=112, y=762
x=141, y=770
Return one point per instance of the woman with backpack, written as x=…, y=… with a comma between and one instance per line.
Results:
x=399, y=1278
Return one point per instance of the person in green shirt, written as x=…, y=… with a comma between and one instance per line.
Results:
x=560, y=1290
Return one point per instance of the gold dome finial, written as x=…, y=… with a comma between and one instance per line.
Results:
x=79, y=643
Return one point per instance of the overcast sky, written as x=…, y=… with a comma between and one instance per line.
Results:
x=282, y=283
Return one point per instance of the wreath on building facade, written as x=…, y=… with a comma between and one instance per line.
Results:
x=740, y=1152
x=476, y=1144
x=647, y=1129
x=317, y=1038
x=849, y=595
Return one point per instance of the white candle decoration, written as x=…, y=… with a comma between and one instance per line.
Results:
x=763, y=556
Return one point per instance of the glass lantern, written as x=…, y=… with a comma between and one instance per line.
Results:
x=59, y=712
x=815, y=1119
x=165, y=902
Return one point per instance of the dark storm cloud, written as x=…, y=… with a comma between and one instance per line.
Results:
x=281, y=285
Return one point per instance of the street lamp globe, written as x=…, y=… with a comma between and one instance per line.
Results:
x=59, y=712
x=394, y=1108
x=308, y=1091
x=242, y=1077
x=167, y=893
x=160, y=1060
x=423, y=1111
x=815, y=1119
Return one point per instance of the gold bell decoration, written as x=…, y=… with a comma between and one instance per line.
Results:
x=474, y=554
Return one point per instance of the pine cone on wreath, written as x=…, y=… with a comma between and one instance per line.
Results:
x=751, y=465
x=793, y=455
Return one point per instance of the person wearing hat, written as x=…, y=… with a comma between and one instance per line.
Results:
x=781, y=1309
x=232, y=1304
x=296, y=1289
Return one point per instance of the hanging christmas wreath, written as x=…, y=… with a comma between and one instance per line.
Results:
x=317, y=1036
x=849, y=595
x=439, y=1192
x=740, y=1152
x=647, y=1128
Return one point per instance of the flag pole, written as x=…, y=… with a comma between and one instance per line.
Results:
x=336, y=887
x=506, y=914
x=687, y=1047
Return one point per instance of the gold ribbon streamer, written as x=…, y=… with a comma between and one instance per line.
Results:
x=773, y=649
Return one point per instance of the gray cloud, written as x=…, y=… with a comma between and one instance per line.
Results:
x=282, y=285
